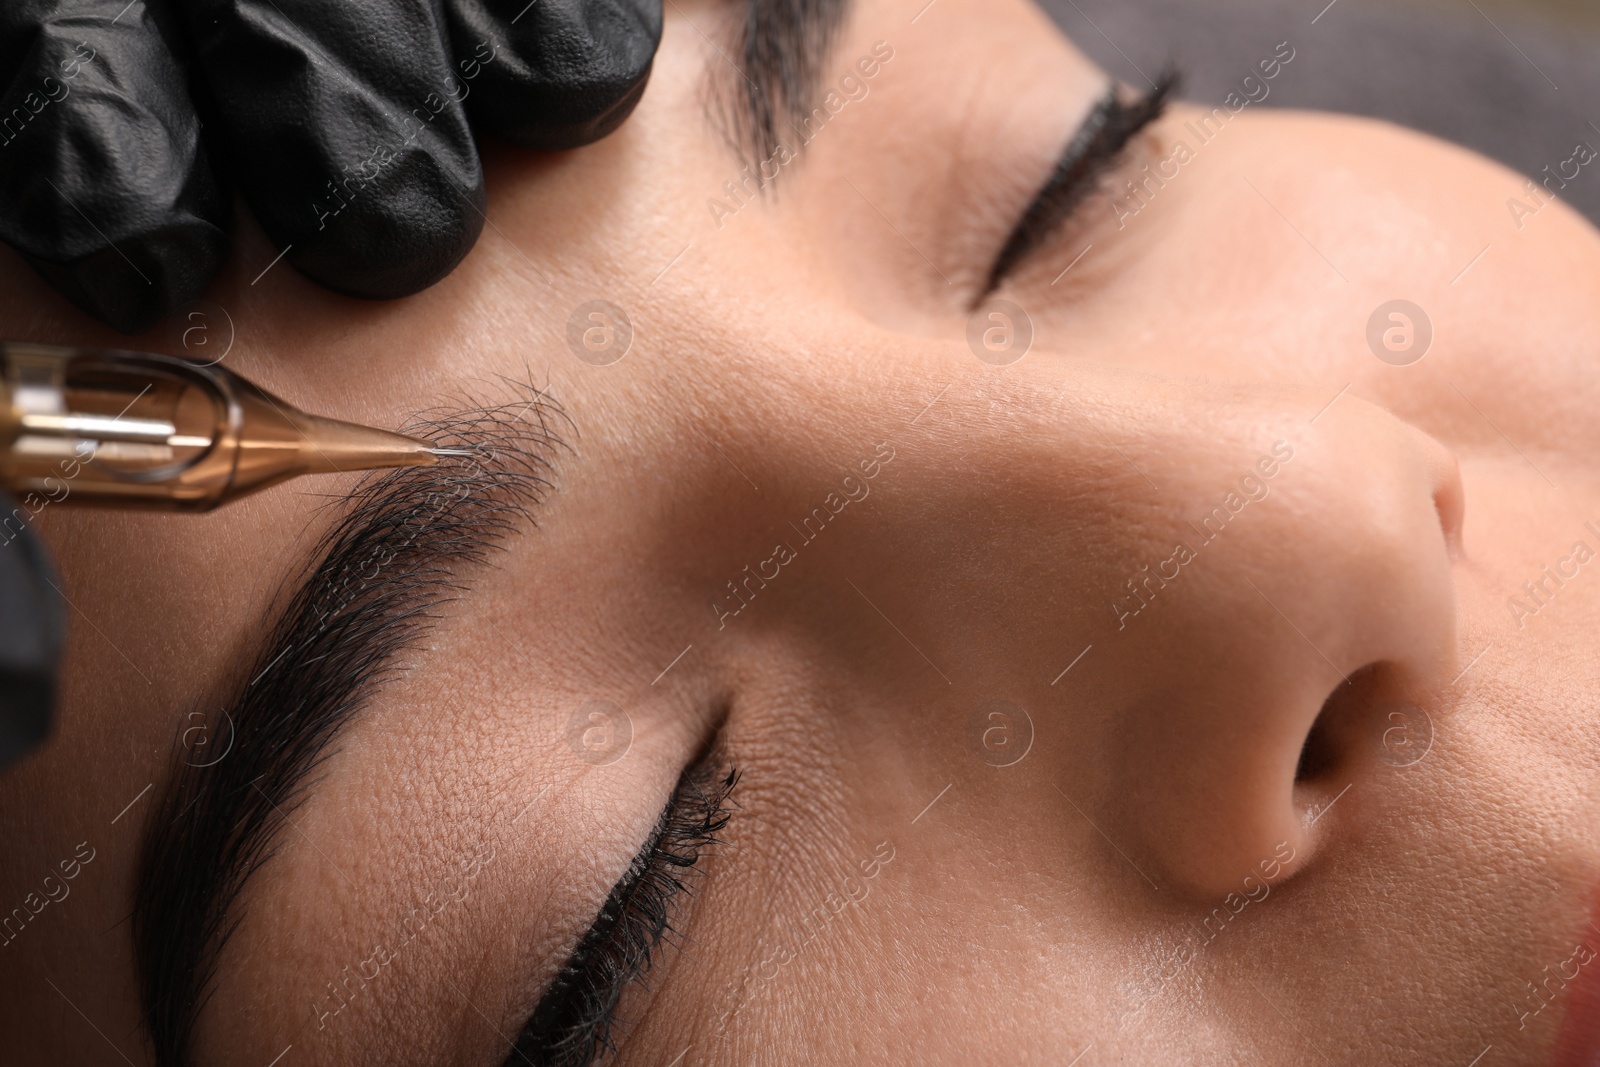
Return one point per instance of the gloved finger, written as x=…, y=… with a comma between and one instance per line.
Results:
x=342, y=134
x=104, y=184
x=30, y=635
x=553, y=74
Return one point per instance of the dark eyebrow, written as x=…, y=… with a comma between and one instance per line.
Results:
x=402, y=549
x=782, y=46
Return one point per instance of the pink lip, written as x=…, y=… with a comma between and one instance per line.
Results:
x=1579, y=1041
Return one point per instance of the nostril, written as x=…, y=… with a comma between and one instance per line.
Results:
x=1449, y=498
x=1350, y=714
x=1319, y=754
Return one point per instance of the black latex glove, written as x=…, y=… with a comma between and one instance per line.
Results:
x=30, y=636
x=344, y=123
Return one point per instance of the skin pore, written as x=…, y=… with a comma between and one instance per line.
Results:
x=885, y=892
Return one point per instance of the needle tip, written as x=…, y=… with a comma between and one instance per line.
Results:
x=452, y=451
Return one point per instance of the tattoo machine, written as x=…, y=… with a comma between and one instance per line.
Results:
x=133, y=429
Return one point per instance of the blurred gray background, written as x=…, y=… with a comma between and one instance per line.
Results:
x=1518, y=80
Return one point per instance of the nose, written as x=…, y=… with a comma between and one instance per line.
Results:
x=1251, y=574
x=1258, y=654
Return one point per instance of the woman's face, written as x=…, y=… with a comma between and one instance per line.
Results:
x=1016, y=659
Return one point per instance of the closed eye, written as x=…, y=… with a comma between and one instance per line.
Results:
x=577, y=1022
x=1096, y=148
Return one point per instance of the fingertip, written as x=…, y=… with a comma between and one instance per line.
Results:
x=133, y=283
x=106, y=188
x=557, y=74
x=404, y=234
x=356, y=162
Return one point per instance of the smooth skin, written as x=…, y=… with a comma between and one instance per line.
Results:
x=1027, y=912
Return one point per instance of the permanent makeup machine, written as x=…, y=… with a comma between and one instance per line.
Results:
x=132, y=429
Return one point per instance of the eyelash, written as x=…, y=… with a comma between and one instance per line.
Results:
x=1096, y=148
x=576, y=1022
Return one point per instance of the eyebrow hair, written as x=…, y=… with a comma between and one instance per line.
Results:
x=400, y=552
x=782, y=46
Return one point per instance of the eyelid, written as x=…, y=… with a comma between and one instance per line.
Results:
x=575, y=1020
x=1095, y=148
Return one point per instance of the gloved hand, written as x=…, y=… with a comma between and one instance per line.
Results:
x=30, y=636
x=344, y=124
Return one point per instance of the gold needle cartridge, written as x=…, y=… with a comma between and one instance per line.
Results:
x=133, y=429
